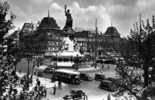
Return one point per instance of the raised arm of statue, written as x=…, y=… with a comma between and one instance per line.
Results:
x=65, y=9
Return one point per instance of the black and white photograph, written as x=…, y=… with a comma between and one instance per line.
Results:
x=77, y=49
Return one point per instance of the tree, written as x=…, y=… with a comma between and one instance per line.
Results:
x=6, y=57
x=140, y=53
x=130, y=81
x=13, y=48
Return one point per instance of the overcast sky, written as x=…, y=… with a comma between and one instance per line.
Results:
x=121, y=13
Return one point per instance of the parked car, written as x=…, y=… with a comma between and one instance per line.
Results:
x=49, y=70
x=85, y=77
x=40, y=70
x=108, y=85
x=115, y=81
x=99, y=76
x=100, y=61
x=76, y=95
x=109, y=61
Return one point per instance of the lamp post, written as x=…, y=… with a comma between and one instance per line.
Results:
x=28, y=69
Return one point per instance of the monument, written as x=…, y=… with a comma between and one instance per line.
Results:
x=69, y=20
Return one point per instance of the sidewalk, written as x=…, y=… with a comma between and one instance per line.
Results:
x=89, y=69
x=43, y=81
x=101, y=96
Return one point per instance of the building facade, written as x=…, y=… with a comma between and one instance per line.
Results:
x=45, y=40
x=91, y=42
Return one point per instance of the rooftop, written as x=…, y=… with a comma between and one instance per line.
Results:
x=48, y=23
x=112, y=31
x=84, y=34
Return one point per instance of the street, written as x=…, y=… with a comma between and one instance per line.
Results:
x=90, y=88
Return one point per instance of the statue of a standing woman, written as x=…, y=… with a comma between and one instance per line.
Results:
x=69, y=20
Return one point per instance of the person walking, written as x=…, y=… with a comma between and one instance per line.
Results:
x=108, y=97
x=54, y=90
x=59, y=84
x=102, y=65
x=38, y=82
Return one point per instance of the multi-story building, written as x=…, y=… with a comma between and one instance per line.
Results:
x=53, y=36
x=111, y=39
x=83, y=41
x=25, y=39
x=45, y=40
x=91, y=42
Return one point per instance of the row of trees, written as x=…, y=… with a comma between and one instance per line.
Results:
x=8, y=48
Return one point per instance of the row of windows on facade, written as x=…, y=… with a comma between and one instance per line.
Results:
x=97, y=41
x=43, y=49
x=55, y=46
x=107, y=38
x=51, y=43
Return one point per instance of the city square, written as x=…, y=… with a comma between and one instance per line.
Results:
x=77, y=50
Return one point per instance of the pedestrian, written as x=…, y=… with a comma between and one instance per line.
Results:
x=148, y=98
x=95, y=64
x=10, y=90
x=59, y=84
x=108, y=97
x=126, y=98
x=38, y=82
x=108, y=66
x=54, y=90
x=102, y=67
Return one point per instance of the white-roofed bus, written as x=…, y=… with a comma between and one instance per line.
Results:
x=67, y=76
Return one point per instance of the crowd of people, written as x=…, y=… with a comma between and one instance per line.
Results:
x=36, y=93
x=13, y=87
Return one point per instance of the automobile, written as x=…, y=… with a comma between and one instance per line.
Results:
x=40, y=69
x=68, y=76
x=108, y=85
x=49, y=70
x=85, y=77
x=111, y=79
x=100, y=61
x=116, y=81
x=76, y=95
x=109, y=61
x=99, y=76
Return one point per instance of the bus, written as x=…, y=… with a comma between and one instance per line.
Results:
x=66, y=76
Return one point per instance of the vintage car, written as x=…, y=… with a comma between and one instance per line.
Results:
x=99, y=76
x=108, y=85
x=85, y=77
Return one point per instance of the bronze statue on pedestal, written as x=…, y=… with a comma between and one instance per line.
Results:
x=69, y=20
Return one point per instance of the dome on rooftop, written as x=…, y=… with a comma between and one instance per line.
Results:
x=112, y=31
x=48, y=23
